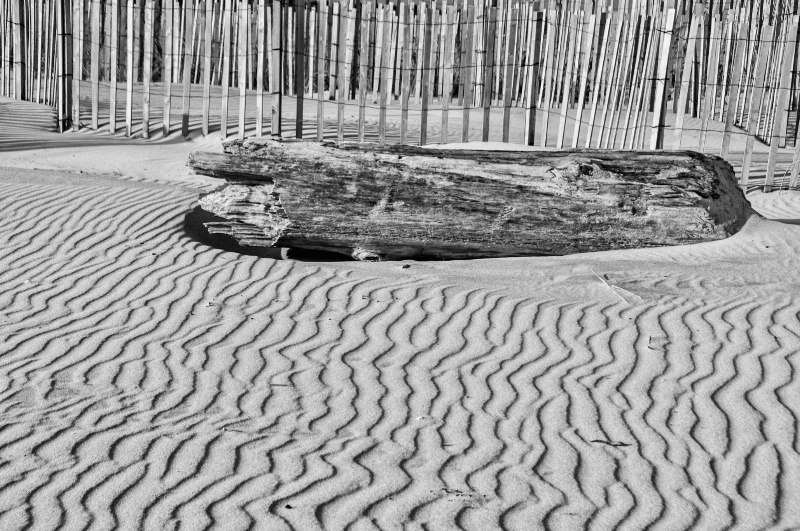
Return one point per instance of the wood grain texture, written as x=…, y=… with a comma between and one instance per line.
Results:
x=407, y=202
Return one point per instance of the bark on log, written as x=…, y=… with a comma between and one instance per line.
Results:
x=379, y=203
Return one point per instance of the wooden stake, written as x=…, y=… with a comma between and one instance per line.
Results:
x=587, y=52
x=447, y=91
x=426, y=71
x=187, y=68
x=660, y=105
x=534, y=80
x=39, y=13
x=469, y=89
x=688, y=66
x=758, y=89
x=708, y=104
x=322, y=22
x=77, y=62
x=227, y=30
x=262, y=19
x=598, y=76
x=169, y=7
x=333, y=66
x=207, y=51
x=548, y=75
x=147, y=66
x=95, y=63
x=276, y=83
x=565, y=89
x=300, y=68
x=341, y=67
x=384, y=79
x=129, y=67
x=508, y=75
x=406, y=64
x=488, y=71
x=783, y=95
x=733, y=94
x=241, y=52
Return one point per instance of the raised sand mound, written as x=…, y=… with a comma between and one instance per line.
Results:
x=150, y=379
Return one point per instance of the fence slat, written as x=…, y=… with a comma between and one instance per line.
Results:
x=733, y=93
x=363, y=67
x=708, y=103
x=95, y=66
x=447, y=70
x=598, y=77
x=393, y=48
x=426, y=70
x=783, y=96
x=384, y=72
x=38, y=14
x=565, y=88
x=333, y=66
x=405, y=24
x=227, y=30
x=147, y=67
x=261, y=23
x=534, y=79
x=63, y=54
x=276, y=81
x=187, y=67
x=624, y=85
x=688, y=66
x=241, y=55
x=19, y=50
x=129, y=67
x=341, y=57
x=758, y=89
x=469, y=89
x=77, y=47
x=609, y=80
x=322, y=22
x=5, y=56
x=349, y=65
x=488, y=70
x=311, y=24
x=48, y=56
x=641, y=102
x=422, y=19
x=660, y=105
x=208, y=41
x=550, y=56
x=640, y=48
x=169, y=7
x=508, y=75
x=299, y=66
x=587, y=52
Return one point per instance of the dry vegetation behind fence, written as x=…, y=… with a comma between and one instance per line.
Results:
x=617, y=74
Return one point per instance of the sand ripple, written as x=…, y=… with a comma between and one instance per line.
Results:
x=149, y=381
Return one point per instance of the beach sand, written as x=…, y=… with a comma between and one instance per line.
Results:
x=150, y=381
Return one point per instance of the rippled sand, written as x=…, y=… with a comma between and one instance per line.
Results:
x=150, y=381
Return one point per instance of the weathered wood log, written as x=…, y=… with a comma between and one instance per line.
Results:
x=378, y=203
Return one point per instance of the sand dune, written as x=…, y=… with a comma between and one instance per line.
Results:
x=152, y=382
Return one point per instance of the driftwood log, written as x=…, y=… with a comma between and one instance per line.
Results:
x=378, y=203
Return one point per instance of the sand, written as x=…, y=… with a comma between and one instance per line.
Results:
x=150, y=381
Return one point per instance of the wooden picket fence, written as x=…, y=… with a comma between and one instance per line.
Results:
x=614, y=74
